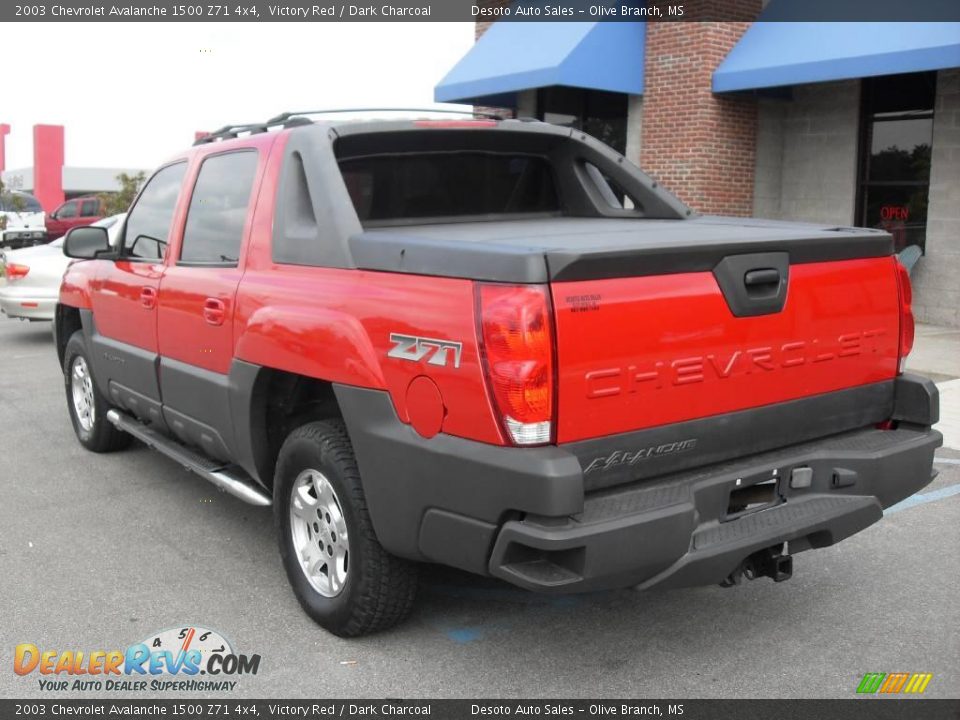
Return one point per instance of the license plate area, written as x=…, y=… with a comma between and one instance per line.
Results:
x=750, y=495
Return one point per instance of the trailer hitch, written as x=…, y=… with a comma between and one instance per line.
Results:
x=770, y=562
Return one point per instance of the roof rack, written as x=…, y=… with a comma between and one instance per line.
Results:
x=284, y=117
x=292, y=119
x=228, y=132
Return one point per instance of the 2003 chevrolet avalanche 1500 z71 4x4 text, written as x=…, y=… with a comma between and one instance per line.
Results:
x=499, y=346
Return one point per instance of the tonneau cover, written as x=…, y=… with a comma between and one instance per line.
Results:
x=573, y=248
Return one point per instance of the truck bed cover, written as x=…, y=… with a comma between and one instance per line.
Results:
x=573, y=248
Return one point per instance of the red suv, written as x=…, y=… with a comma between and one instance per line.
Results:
x=74, y=213
x=494, y=345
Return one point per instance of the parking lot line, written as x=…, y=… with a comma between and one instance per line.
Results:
x=921, y=498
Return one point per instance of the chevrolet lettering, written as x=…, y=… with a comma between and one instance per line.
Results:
x=722, y=366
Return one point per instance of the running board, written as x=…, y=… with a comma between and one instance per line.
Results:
x=222, y=475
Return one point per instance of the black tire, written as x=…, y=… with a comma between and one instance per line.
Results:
x=101, y=436
x=379, y=589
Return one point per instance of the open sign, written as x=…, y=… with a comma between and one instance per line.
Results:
x=894, y=212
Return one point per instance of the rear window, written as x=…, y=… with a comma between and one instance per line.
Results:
x=19, y=202
x=399, y=187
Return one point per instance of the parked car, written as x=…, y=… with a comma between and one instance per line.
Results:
x=23, y=220
x=499, y=346
x=33, y=276
x=74, y=213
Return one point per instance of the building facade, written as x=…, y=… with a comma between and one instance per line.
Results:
x=849, y=123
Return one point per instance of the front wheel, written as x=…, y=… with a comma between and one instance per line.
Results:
x=340, y=573
x=88, y=407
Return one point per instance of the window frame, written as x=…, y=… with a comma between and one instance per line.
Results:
x=122, y=236
x=58, y=212
x=96, y=207
x=251, y=202
x=466, y=218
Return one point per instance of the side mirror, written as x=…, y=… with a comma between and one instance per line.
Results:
x=85, y=243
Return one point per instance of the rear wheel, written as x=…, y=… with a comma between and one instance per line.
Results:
x=340, y=573
x=88, y=407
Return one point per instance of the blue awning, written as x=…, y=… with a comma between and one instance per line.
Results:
x=774, y=54
x=519, y=55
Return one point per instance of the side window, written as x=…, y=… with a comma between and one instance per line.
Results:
x=148, y=223
x=218, y=209
x=67, y=211
x=90, y=208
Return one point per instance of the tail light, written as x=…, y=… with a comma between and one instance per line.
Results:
x=516, y=337
x=906, y=314
x=16, y=272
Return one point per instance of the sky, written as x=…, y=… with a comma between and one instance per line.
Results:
x=132, y=94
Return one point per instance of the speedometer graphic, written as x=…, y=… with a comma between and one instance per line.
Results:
x=192, y=637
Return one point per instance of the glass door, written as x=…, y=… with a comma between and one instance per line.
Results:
x=596, y=112
x=895, y=142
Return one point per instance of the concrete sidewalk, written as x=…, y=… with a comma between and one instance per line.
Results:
x=936, y=354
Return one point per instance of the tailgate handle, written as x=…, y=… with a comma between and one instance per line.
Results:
x=762, y=276
x=754, y=283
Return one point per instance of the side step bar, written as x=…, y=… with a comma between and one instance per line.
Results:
x=233, y=481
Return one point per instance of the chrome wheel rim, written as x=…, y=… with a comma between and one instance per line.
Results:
x=81, y=388
x=319, y=533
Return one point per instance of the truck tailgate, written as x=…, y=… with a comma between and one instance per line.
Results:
x=640, y=352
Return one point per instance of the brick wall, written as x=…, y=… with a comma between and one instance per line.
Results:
x=936, y=277
x=806, y=162
x=699, y=145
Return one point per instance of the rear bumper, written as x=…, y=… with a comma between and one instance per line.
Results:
x=524, y=515
x=674, y=532
x=15, y=239
x=15, y=303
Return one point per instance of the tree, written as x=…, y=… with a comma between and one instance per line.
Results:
x=120, y=201
x=9, y=202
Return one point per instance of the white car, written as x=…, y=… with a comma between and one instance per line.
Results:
x=33, y=275
x=25, y=220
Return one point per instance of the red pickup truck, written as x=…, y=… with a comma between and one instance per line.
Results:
x=74, y=213
x=499, y=346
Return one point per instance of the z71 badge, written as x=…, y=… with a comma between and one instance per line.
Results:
x=415, y=349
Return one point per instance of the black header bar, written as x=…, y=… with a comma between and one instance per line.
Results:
x=483, y=10
x=242, y=709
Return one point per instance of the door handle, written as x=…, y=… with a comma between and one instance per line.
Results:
x=214, y=311
x=148, y=297
x=764, y=276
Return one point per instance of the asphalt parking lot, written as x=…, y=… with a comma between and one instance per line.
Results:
x=98, y=552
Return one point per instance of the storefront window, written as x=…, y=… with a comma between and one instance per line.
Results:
x=896, y=137
x=598, y=113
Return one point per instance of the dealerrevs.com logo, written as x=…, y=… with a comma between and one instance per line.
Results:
x=170, y=660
